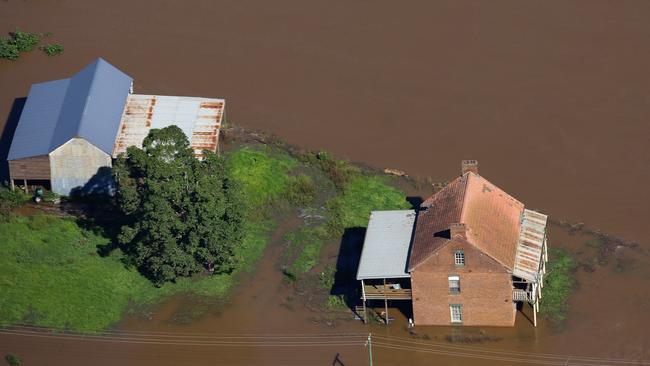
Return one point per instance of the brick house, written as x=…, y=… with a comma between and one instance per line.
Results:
x=473, y=252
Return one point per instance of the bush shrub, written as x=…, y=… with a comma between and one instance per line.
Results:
x=12, y=360
x=52, y=49
x=19, y=41
x=25, y=41
x=11, y=199
x=558, y=284
x=8, y=49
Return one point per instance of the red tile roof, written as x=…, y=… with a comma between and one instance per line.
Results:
x=492, y=218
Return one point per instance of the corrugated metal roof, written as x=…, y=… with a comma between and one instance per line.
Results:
x=492, y=218
x=37, y=122
x=530, y=244
x=87, y=105
x=199, y=118
x=386, y=246
x=437, y=213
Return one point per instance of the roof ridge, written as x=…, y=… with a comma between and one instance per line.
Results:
x=91, y=86
x=464, y=204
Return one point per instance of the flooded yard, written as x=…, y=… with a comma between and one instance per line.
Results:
x=551, y=98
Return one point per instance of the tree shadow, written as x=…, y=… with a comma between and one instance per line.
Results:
x=101, y=183
x=8, y=135
x=96, y=210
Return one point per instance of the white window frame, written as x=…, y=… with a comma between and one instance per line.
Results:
x=459, y=258
x=456, y=313
x=454, y=280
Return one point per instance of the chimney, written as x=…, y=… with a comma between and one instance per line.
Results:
x=457, y=229
x=469, y=166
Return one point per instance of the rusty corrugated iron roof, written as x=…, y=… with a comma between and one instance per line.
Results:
x=492, y=218
x=529, y=247
x=437, y=213
x=199, y=118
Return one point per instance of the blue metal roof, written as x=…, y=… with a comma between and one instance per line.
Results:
x=87, y=105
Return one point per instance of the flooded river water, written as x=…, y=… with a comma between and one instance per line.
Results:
x=553, y=99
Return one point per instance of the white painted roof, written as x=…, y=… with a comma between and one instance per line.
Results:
x=386, y=246
x=529, y=247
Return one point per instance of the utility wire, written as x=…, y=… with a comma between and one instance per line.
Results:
x=185, y=334
x=567, y=361
x=154, y=341
x=512, y=353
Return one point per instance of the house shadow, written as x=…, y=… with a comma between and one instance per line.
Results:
x=415, y=201
x=347, y=263
x=8, y=135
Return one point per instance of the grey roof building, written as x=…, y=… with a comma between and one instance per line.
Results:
x=88, y=105
x=67, y=132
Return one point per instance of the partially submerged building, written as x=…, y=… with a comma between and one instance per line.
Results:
x=469, y=256
x=71, y=129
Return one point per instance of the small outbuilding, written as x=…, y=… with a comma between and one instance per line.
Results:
x=71, y=129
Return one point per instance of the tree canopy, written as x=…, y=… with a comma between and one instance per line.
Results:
x=184, y=215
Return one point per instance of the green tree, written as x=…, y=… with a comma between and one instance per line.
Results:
x=184, y=214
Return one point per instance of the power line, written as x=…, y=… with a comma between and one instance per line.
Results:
x=184, y=334
x=485, y=357
x=511, y=353
x=297, y=341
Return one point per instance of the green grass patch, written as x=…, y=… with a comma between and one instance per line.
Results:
x=305, y=244
x=51, y=275
x=301, y=190
x=263, y=173
x=558, y=284
x=363, y=194
x=336, y=303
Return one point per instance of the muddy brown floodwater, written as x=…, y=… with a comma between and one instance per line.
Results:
x=551, y=97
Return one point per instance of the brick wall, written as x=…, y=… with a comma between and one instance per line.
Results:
x=485, y=288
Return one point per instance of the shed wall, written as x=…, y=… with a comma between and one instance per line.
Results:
x=486, y=289
x=79, y=164
x=36, y=167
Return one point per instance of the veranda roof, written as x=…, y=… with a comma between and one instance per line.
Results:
x=386, y=246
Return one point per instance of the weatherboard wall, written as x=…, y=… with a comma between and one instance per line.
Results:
x=36, y=168
x=76, y=164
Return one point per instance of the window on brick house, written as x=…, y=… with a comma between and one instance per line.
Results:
x=459, y=258
x=456, y=313
x=454, y=284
